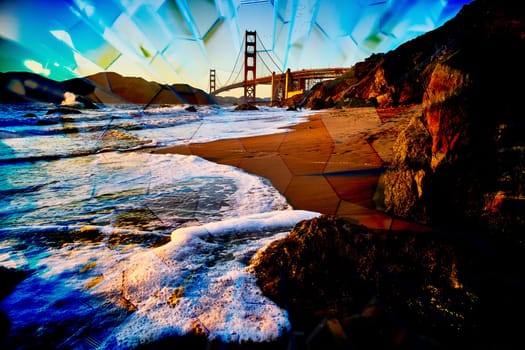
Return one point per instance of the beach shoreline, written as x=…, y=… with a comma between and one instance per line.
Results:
x=332, y=163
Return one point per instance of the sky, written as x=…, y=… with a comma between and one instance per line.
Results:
x=179, y=41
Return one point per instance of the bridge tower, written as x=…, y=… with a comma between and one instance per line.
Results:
x=250, y=65
x=212, y=81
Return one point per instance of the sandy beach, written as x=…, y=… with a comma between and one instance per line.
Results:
x=331, y=164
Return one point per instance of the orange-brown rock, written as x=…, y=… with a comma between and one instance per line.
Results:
x=400, y=76
x=462, y=159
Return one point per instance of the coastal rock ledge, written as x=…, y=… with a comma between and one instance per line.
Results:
x=348, y=287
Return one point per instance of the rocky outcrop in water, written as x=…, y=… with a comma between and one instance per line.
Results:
x=246, y=107
x=348, y=287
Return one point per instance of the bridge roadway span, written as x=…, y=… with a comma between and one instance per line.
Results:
x=300, y=75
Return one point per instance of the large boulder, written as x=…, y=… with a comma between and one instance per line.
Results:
x=405, y=181
x=348, y=287
x=246, y=107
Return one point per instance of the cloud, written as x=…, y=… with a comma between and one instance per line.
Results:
x=37, y=67
x=64, y=36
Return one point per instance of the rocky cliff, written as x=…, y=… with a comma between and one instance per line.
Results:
x=458, y=166
x=484, y=33
x=462, y=160
x=105, y=87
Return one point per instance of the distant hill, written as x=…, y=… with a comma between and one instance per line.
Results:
x=104, y=87
x=232, y=100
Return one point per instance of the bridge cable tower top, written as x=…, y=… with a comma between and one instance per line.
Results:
x=250, y=65
x=212, y=81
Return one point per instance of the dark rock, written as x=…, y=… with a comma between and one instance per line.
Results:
x=46, y=121
x=5, y=326
x=357, y=102
x=394, y=290
x=246, y=107
x=191, y=109
x=63, y=110
x=316, y=104
x=471, y=168
x=86, y=102
x=406, y=178
x=10, y=278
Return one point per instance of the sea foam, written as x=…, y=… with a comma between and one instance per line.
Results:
x=196, y=283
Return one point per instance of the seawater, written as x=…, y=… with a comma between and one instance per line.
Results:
x=123, y=247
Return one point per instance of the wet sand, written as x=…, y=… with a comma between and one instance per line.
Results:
x=331, y=164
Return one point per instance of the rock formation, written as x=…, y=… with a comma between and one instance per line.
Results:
x=462, y=159
x=348, y=287
x=458, y=166
x=468, y=166
x=401, y=75
x=246, y=107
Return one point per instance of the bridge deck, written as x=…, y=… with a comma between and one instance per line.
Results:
x=305, y=74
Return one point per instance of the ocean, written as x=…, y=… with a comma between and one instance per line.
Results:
x=121, y=247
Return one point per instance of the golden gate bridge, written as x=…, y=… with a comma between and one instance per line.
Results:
x=284, y=84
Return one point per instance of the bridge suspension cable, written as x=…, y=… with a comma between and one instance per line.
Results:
x=219, y=83
x=241, y=49
x=238, y=68
x=264, y=64
x=279, y=69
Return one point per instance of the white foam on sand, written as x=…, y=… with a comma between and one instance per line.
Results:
x=198, y=283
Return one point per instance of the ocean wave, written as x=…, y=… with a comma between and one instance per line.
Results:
x=60, y=235
x=121, y=296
